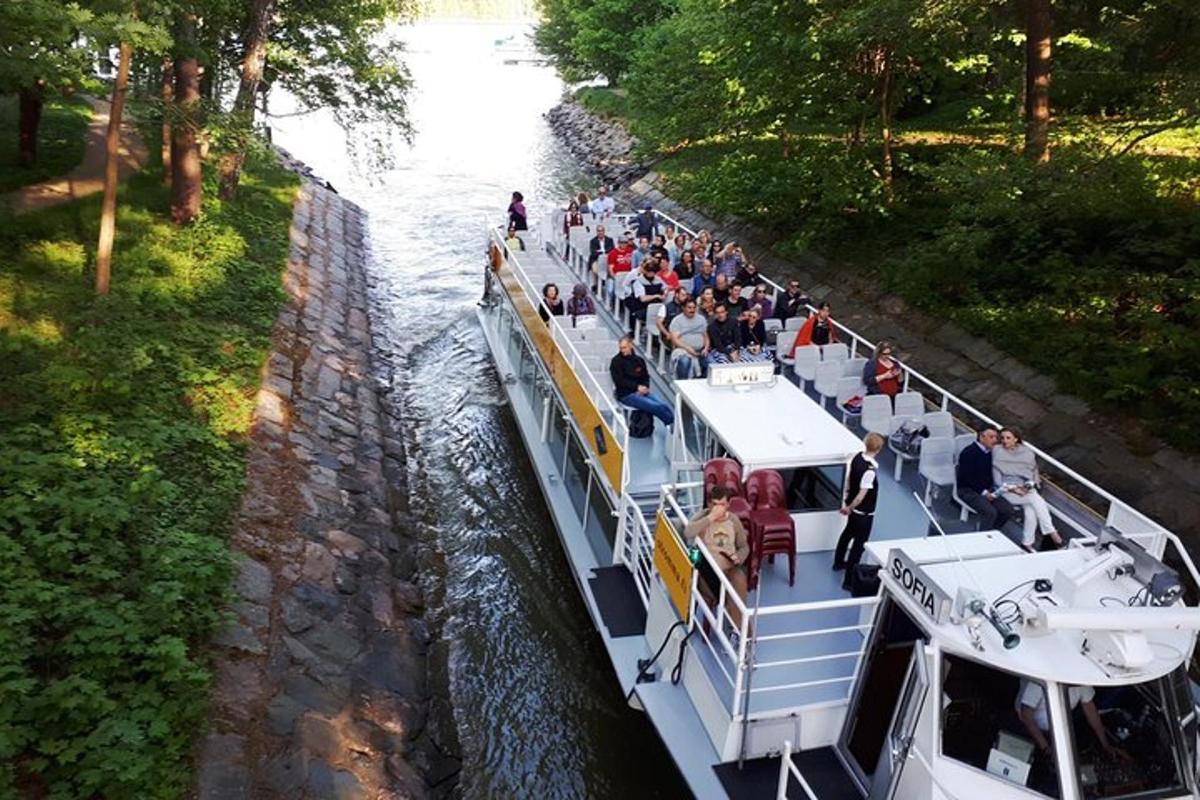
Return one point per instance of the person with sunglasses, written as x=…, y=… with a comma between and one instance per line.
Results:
x=792, y=303
x=882, y=374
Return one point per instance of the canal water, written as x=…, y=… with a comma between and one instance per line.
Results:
x=536, y=705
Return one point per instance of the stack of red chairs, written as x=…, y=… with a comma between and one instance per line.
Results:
x=761, y=505
x=727, y=473
x=772, y=530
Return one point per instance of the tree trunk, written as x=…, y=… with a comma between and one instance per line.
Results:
x=167, y=93
x=186, y=176
x=243, y=105
x=1037, y=79
x=885, y=119
x=31, y=102
x=112, y=142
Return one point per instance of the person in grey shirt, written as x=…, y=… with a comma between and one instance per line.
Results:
x=689, y=337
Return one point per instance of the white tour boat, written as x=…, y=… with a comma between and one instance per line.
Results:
x=974, y=670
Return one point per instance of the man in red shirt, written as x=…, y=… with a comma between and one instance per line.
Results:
x=621, y=259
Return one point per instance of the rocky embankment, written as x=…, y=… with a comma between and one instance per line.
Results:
x=602, y=146
x=1114, y=452
x=322, y=688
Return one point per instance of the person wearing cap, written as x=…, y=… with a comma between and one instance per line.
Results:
x=621, y=259
x=647, y=224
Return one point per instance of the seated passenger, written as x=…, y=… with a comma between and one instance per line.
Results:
x=668, y=276
x=600, y=245
x=725, y=539
x=572, y=218
x=552, y=304
x=658, y=248
x=749, y=275
x=1034, y=714
x=685, y=266
x=975, y=484
x=705, y=279
x=754, y=338
x=706, y=304
x=632, y=381
x=646, y=289
x=1015, y=471
x=670, y=309
x=642, y=251
x=514, y=242
x=793, y=302
x=580, y=303
x=760, y=301
x=724, y=338
x=881, y=374
x=621, y=259
x=817, y=329
x=721, y=288
x=689, y=338
x=736, y=304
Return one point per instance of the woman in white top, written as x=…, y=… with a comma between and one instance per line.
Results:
x=1015, y=471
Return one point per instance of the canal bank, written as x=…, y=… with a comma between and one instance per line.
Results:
x=321, y=681
x=1116, y=453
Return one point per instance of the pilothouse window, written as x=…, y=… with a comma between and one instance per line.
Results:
x=814, y=488
x=983, y=727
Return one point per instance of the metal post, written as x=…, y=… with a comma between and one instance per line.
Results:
x=749, y=641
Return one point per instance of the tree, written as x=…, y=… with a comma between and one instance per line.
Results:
x=603, y=34
x=186, y=169
x=108, y=209
x=1037, y=79
x=39, y=57
x=254, y=56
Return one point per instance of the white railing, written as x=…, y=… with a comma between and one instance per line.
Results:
x=942, y=398
x=592, y=387
x=788, y=769
x=635, y=547
x=731, y=660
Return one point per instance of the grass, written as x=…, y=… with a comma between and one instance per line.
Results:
x=60, y=141
x=605, y=102
x=123, y=428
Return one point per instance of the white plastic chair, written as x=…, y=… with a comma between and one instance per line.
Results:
x=909, y=405
x=939, y=423
x=936, y=464
x=808, y=358
x=877, y=414
x=772, y=324
x=854, y=367
x=795, y=323
x=828, y=374
x=834, y=352
x=652, y=325
x=783, y=346
x=848, y=387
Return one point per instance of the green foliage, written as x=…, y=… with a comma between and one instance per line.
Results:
x=60, y=148
x=605, y=102
x=596, y=37
x=123, y=422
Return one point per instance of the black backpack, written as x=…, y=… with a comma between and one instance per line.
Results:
x=641, y=424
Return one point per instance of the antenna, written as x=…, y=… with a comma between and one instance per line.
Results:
x=949, y=545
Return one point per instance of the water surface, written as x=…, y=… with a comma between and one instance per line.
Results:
x=538, y=710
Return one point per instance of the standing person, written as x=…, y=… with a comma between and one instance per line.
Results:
x=724, y=537
x=729, y=260
x=646, y=222
x=689, y=338
x=817, y=329
x=599, y=246
x=881, y=375
x=573, y=217
x=1015, y=471
x=975, y=481
x=516, y=212
x=552, y=304
x=858, y=507
x=603, y=206
x=792, y=303
x=632, y=382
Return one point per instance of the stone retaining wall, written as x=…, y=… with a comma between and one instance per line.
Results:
x=1111, y=451
x=321, y=680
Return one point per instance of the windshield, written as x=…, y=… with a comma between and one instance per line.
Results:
x=1151, y=748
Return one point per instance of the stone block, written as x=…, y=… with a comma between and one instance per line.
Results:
x=1022, y=412
x=237, y=636
x=1069, y=404
x=222, y=772
x=254, y=581
x=319, y=565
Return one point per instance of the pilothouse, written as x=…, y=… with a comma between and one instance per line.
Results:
x=955, y=665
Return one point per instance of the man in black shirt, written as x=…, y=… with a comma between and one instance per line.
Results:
x=792, y=302
x=736, y=304
x=725, y=340
x=632, y=381
x=862, y=490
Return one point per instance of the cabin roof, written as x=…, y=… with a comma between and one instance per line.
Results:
x=775, y=427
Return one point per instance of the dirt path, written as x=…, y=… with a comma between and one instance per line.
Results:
x=88, y=177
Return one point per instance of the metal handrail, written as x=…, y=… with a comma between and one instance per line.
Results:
x=948, y=397
x=574, y=357
x=788, y=769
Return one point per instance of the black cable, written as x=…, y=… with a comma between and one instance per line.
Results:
x=644, y=668
x=1013, y=589
x=677, y=670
